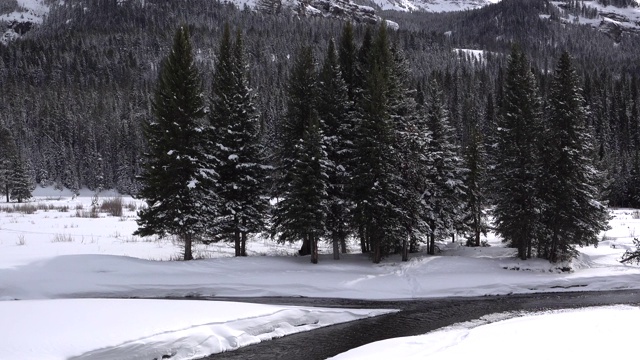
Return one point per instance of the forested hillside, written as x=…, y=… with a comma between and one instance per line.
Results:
x=76, y=89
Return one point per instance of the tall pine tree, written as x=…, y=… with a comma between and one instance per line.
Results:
x=19, y=180
x=476, y=193
x=172, y=181
x=517, y=171
x=337, y=116
x=375, y=180
x=235, y=148
x=302, y=181
x=446, y=189
x=572, y=213
x=8, y=153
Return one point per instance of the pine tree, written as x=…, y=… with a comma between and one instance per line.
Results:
x=475, y=182
x=8, y=153
x=375, y=181
x=412, y=159
x=20, y=181
x=517, y=164
x=336, y=113
x=177, y=203
x=572, y=212
x=301, y=188
x=235, y=147
x=446, y=190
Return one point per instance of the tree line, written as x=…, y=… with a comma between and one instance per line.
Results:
x=76, y=91
x=360, y=153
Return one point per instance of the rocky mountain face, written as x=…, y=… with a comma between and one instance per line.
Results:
x=432, y=5
x=616, y=21
x=342, y=9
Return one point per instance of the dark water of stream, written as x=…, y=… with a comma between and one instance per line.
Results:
x=416, y=317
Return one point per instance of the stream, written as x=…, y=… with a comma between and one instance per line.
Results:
x=415, y=317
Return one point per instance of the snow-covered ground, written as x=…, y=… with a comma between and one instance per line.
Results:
x=149, y=329
x=594, y=333
x=55, y=258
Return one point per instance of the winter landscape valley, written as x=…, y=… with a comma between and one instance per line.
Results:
x=319, y=179
x=81, y=287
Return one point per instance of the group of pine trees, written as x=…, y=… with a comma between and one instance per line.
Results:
x=545, y=184
x=360, y=154
x=205, y=172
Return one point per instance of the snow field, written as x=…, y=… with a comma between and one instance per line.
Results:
x=53, y=258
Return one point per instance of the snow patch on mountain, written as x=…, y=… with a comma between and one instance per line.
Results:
x=21, y=20
x=29, y=10
x=433, y=5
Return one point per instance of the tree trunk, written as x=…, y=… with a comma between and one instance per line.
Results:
x=363, y=240
x=305, y=249
x=314, y=249
x=336, y=248
x=236, y=241
x=188, y=240
x=476, y=229
x=553, y=254
x=522, y=248
x=405, y=248
x=6, y=190
x=376, y=251
x=243, y=243
x=432, y=244
x=343, y=244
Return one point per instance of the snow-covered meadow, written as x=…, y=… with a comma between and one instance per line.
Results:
x=58, y=252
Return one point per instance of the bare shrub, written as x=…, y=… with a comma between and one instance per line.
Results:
x=112, y=206
x=93, y=213
x=131, y=206
x=45, y=207
x=25, y=209
x=60, y=238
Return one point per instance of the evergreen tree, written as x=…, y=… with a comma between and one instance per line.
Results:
x=20, y=181
x=475, y=182
x=235, y=148
x=516, y=176
x=336, y=113
x=172, y=181
x=375, y=181
x=8, y=154
x=413, y=161
x=572, y=212
x=301, y=188
x=446, y=190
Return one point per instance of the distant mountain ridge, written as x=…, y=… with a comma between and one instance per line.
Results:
x=20, y=19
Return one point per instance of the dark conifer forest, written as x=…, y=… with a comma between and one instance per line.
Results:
x=400, y=134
